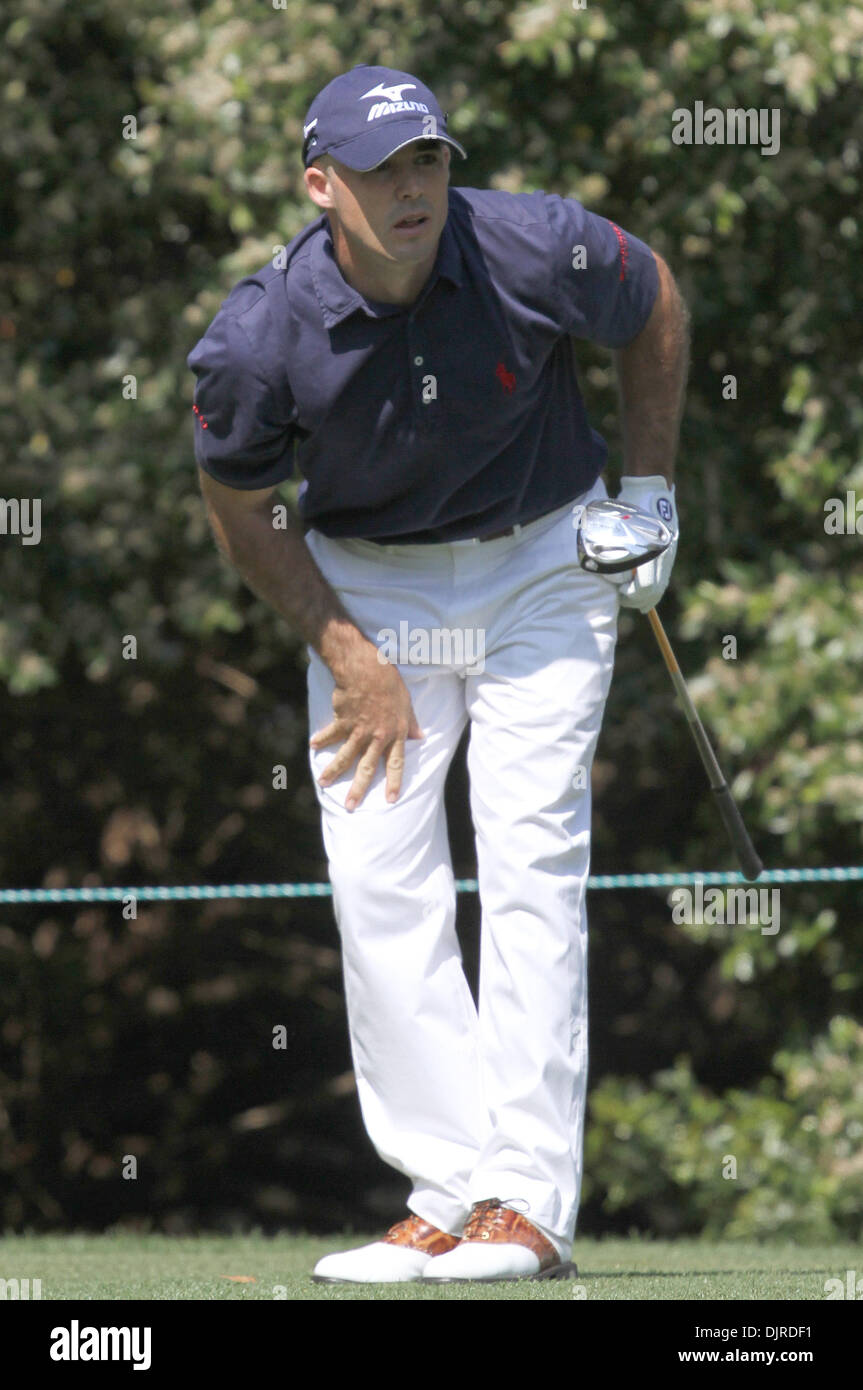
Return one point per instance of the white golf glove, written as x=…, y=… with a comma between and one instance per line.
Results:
x=652, y=494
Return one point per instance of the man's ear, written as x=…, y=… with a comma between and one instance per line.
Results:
x=316, y=181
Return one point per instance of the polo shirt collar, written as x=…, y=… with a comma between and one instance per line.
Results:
x=338, y=299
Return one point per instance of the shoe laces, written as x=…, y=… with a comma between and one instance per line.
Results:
x=405, y=1226
x=484, y=1215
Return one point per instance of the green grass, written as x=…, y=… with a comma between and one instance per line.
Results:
x=121, y=1265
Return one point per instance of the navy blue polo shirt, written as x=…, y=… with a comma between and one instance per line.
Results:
x=455, y=416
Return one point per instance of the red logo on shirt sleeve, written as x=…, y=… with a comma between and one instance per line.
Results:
x=624, y=249
x=204, y=424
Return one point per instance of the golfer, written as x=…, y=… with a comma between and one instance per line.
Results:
x=411, y=354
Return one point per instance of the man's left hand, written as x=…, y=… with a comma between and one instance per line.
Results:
x=653, y=494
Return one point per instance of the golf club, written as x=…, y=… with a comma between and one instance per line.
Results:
x=612, y=538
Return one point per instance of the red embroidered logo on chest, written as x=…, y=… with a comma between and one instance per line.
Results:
x=204, y=424
x=506, y=379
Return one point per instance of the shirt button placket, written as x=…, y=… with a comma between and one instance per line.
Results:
x=423, y=412
x=420, y=406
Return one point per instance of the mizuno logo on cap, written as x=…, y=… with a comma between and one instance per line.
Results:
x=393, y=100
x=391, y=93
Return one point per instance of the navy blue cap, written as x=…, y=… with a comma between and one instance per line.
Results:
x=365, y=115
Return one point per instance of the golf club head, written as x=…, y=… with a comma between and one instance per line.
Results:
x=612, y=537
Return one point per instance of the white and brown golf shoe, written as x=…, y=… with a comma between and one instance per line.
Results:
x=401, y=1255
x=498, y=1244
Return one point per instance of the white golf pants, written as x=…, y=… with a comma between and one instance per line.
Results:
x=490, y=1103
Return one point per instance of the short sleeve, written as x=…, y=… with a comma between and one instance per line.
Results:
x=606, y=280
x=244, y=427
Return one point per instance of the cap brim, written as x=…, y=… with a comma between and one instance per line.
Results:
x=367, y=151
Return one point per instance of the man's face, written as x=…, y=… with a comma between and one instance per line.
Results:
x=367, y=206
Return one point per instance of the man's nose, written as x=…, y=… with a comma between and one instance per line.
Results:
x=410, y=184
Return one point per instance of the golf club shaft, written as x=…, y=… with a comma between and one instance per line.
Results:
x=750, y=864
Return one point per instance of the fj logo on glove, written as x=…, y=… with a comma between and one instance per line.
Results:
x=663, y=506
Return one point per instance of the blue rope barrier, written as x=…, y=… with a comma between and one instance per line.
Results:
x=181, y=892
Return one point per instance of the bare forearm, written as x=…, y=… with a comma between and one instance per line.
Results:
x=277, y=566
x=651, y=375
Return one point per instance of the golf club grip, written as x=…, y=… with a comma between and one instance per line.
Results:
x=750, y=865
